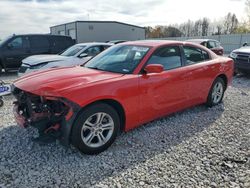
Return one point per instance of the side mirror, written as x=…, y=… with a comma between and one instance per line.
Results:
x=83, y=55
x=245, y=44
x=154, y=68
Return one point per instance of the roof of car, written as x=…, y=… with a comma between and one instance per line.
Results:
x=200, y=40
x=94, y=44
x=37, y=34
x=116, y=41
x=152, y=43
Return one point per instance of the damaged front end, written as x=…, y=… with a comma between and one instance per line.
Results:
x=52, y=116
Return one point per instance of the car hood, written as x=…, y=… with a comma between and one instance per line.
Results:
x=55, y=82
x=242, y=50
x=67, y=63
x=39, y=59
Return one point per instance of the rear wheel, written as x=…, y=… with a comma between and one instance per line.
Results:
x=216, y=92
x=95, y=128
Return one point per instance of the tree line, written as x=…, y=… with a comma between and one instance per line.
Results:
x=203, y=27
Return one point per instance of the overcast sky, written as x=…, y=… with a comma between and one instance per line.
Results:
x=36, y=16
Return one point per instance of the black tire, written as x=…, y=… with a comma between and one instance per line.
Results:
x=210, y=100
x=236, y=72
x=1, y=102
x=1, y=69
x=83, y=116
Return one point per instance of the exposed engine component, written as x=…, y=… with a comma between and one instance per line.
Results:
x=44, y=113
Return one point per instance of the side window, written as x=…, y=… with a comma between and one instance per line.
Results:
x=217, y=44
x=93, y=51
x=16, y=43
x=204, y=44
x=105, y=47
x=195, y=55
x=39, y=42
x=169, y=57
x=211, y=44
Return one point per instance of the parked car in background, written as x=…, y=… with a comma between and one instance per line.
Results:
x=241, y=59
x=211, y=44
x=125, y=86
x=17, y=47
x=75, y=55
x=116, y=41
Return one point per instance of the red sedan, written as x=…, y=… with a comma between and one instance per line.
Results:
x=125, y=86
x=213, y=45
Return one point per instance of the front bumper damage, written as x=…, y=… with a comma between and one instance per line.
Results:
x=52, y=116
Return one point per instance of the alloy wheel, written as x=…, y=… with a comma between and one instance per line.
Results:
x=217, y=93
x=97, y=129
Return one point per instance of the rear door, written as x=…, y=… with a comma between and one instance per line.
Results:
x=39, y=45
x=163, y=93
x=15, y=51
x=60, y=43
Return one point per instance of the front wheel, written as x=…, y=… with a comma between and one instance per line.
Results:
x=95, y=128
x=216, y=92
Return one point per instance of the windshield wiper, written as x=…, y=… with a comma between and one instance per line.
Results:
x=96, y=68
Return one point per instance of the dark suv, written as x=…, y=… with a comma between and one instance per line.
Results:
x=17, y=47
x=241, y=59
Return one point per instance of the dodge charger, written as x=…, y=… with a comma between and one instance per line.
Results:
x=123, y=87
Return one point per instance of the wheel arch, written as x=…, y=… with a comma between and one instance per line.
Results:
x=224, y=78
x=116, y=105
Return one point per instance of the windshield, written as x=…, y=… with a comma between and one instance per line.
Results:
x=120, y=59
x=73, y=50
x=4, y=40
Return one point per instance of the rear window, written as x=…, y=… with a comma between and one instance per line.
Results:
x=195, y=55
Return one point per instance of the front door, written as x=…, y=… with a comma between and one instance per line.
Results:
x=163, y=93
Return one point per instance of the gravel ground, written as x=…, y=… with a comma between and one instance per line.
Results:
x=199, y=147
